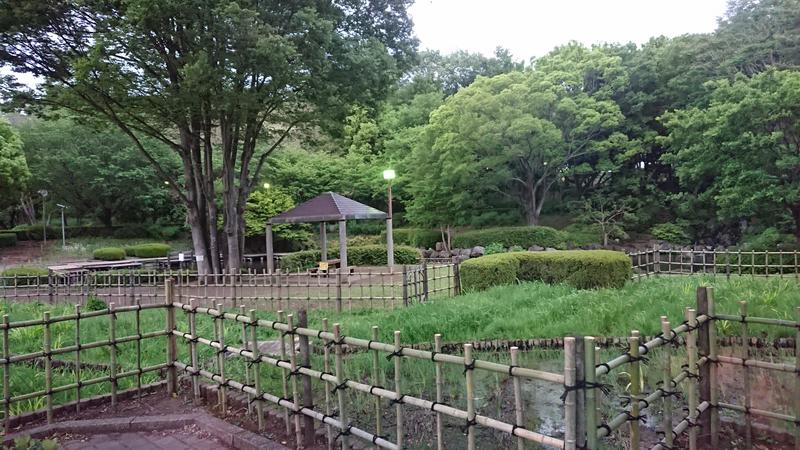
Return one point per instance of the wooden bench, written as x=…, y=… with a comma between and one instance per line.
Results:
x=324, y=266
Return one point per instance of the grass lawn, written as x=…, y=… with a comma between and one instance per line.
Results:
x=82, y=247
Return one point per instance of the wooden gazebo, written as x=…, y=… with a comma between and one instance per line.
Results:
x=330, y=207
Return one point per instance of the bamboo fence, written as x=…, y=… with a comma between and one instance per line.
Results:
x=659, y=261
x=697, y=382
x=361, y=287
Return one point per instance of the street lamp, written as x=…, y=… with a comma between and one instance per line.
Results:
x=63, y=232
x=389, y=175
x=266, y=185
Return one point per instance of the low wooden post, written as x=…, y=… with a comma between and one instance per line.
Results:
x=256, y=362
x=666, y=386
x=519, y=419
x=707, y=343
x=469, y=367
x=745, y=354
x=326, y=355
x=285, y=372
x=437, y=347
x=192, y=313
x=339, y=366
x=172, y=348
x=635, y=377
x=590, y=409
x=219, y=335
x=691, y=353
x=112, y=339
x=456, y=277
x=298, y=430
x=398, y=376
x=78, y=359
x=405, y=285
x=425, y=287
x=580, y=397
x=308, y=393
x=569, y=401
x=376, y=380
x=270, y=249
x=338, y=290
x=48, y=368
x=6, y=377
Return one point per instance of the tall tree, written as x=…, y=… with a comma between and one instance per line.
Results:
x=741, y=151
x=220, y=82
x=14, y=173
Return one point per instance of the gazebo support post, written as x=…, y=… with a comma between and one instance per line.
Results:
x=389, y=243
x=323, y=241
x=343, y=243
x=270, y=250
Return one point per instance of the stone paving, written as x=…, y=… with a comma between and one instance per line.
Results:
x=181, y=439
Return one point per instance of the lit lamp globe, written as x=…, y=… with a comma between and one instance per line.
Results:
x=389, y=174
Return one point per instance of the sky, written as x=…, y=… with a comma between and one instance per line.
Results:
x=531, y=28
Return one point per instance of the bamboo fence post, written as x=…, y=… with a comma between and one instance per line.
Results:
x=192, y=313
x=219, y=336
x=112, y=338
x=599, y=392
x=256, y=363
x=469, y=367
x=745, y=353
x=78, y=359
x=307, y=389
x=376, y=376
x=691, y=368
x=569, y=401
x=797, y=374
x=48, y=369
x=339, y=365
x=285, y=373
x=172, y=350
x=6, y=377
x=138, y=325
x=398, y=375
x=326, y=355
x=591, y=397
x=635, y=377
x=519, y=419
x=298, y=431
x=437, y=348
x=246, y=346
x=711, y=383
x=666, y=386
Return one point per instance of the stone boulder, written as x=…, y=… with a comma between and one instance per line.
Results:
x=477, y=251
x=535, y=248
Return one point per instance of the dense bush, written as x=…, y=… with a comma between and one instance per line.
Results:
x=165, y=232
x=583, y=269
x=769, y=239
x=8, y=239
x=25, y=276
x=524, y=237
x=109, y=254
x=365, y=255
x=95, y=304
x=154, y=250
x=672, y=233
x=137, y=230
x=416, y=237
x=34, y=232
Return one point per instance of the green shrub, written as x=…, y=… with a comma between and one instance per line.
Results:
x=154, y=250
x=494, y=248
x=510, y=236
x=109, y=254
x=584, y=269
x=164, y=232
x=769, y=240
x=8, y=239
x=579, y=234
x=95, y=304
x=34, y=232
x=365, y=255
x=415, y=237
x=672, y=233
x=25, y=276
x=129, y=231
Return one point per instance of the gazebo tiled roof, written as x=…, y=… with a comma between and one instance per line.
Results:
x=328, y=207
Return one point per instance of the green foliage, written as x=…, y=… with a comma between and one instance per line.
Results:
x=671, y=232
x=770, y=239
x=152, y=250
x=165, y=232
x=94, y=303
x=584, y=269
x=14, y=173
x=25, y=276
x=578, y=234
x=494, y=248
x=510, y=236
x=416, y=237
x=28, y=443
x=109, y=254
x=8, y=239
x=366, y=255
x=34, y=232
x=264, y=204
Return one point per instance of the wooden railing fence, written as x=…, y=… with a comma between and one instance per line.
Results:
x=659, y=261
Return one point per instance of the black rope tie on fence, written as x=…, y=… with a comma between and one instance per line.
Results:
x=514, y=429
x=279, y=361
x=397, y=401
x=333, y=342
x=627, y=399
x=236, y=318
x=510, y=369
x=631, y=418
x=689, y=374
x=433, y=405
x=690, y=328
x=608, y=368
x=633, y=359
x=605, y=427
x=374, y=387
x=469, y=424
x=470, y=366
x=294, y=372
x=375, y=438
x=673, y=338
x=398, y=352
x=581, y=385
x=433, y=356
x=344, y=432
x=222, y=349
x=322, y=374
x=342, y=385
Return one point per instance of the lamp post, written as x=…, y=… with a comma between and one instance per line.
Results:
x=389, y=175
x=63, y=230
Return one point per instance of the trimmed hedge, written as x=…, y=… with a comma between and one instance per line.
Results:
x=584, y=269
x=154, y=250
x=8, y=239
x=415, y=237
x=510, y=236
x=364, y=255
x=34, y=232
x=25, y=276
x=109, y=254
